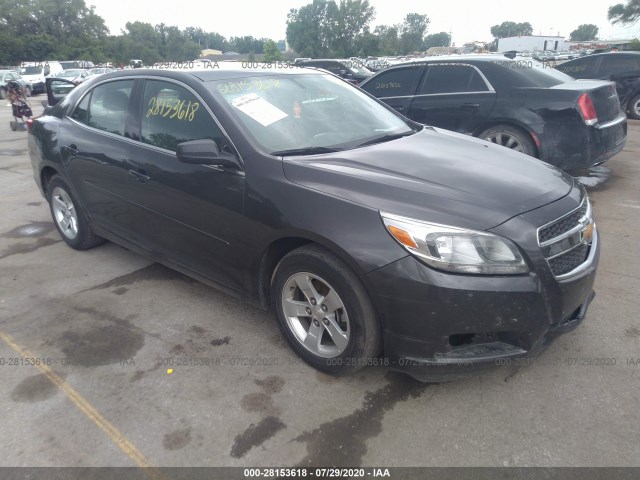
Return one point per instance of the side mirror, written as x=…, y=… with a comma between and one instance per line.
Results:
x=205, y=152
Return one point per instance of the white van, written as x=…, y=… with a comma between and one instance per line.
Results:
x=36, y=72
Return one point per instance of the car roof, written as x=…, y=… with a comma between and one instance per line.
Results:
x=223, y=71
x=458, y=58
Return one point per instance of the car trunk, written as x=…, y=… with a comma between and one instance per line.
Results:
x=603, y=95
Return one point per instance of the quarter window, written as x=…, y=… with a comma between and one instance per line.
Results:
x=616, y=63
x=171, y=114
x=395, y=83
x=81, y=112
x=579, y=68
x=108, y=106
x=452, y=79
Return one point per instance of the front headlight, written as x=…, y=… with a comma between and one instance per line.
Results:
x=456, y=249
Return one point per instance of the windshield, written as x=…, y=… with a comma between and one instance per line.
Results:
x=70, y=73
x=314, y=111
x=30, y=70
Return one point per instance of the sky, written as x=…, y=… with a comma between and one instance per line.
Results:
x=467, y=20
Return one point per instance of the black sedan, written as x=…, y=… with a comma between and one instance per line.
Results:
x=514, y=103
x=622, y=68
x=376, y=240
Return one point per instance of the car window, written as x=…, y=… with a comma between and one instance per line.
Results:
x=616, y=63
x=395, y=82
x=579, y=68
x=81, y=112
x=171, y=114
x=108, y=106
x=451, y=79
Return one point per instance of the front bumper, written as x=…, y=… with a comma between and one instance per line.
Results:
x=440, y=326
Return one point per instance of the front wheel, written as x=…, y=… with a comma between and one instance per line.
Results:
x=3, y=94
x=634, y=107
x=68, y=218
x=509, y=137
x=27, y=91
x=324, y=311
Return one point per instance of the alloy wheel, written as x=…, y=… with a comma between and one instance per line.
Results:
x=64, y=213
x=315, y=315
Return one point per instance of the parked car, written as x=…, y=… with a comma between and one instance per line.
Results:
x=352, y=71
x=9, y=75
x=376, y=240
x=514, y=103
x=37, y=72
x=620, y=67
x=94, y=72
x=75, y=64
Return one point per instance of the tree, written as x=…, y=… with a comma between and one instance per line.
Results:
x=351, y=18
x=511, y=29
x=584, y=32
x=412, y=34
x=625, y=14
x=442, y=39
x=324, y=28
x=389, y=41
x=634, y=44
x=271, y=51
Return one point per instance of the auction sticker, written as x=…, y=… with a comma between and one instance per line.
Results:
x=258, y=108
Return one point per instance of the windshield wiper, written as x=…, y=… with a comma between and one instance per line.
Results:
x=305, y=151
x=386, y=138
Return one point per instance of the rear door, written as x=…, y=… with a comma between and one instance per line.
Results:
x=453, y=96
x=94, y=149
x=396, y=86
x=188, y=213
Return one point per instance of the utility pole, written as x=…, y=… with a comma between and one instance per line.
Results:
x=450, y=36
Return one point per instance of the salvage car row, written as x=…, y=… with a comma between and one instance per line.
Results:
x=368, y=233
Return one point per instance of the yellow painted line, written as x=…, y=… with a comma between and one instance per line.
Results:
x=85, y=407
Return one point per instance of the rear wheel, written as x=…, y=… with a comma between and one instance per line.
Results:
x=634, y=107
x=324, y=311
x=509, y=137
x=68, y=218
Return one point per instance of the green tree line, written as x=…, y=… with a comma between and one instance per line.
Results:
x=39, y=30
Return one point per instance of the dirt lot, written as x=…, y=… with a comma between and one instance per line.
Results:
x=110, y=324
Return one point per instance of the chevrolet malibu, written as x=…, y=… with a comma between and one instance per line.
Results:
x=374, y=239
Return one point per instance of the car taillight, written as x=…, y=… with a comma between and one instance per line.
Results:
x=29, y=123
x=587, y=109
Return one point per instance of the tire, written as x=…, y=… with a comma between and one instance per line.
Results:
x=27, y=91
x=510, y=137
x=3, y=94
x=349, y=314
x=13, y=125
x=634, y=107
x=68, y=217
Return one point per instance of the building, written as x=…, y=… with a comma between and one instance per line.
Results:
x=532, y=43
x=210, y=51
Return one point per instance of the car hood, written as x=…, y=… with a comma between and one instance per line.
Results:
x=437, y=176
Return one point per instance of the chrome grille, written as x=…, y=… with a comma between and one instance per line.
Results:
x=566, y=242
x=563, y=224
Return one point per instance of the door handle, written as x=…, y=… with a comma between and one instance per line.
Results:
x=71, y=149
x=140, y=175
x=470, y=105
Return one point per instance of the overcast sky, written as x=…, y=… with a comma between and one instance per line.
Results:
x=468, y=20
